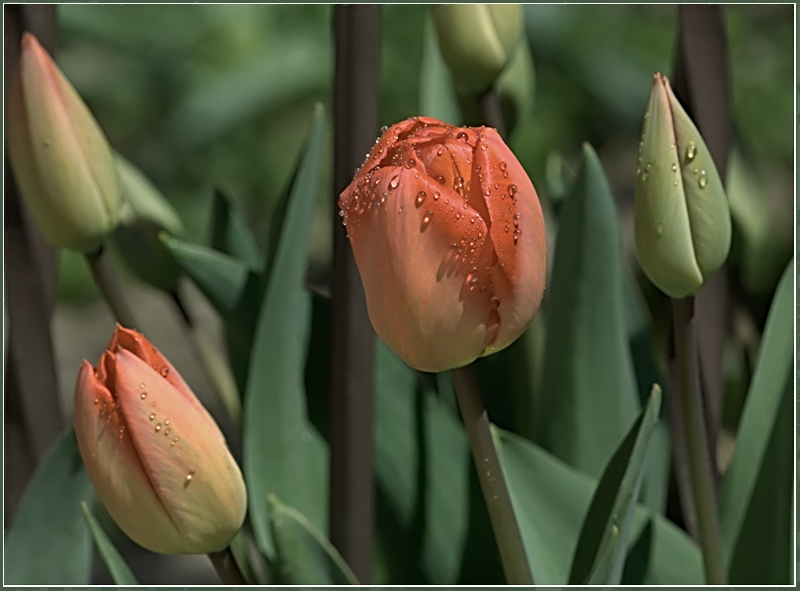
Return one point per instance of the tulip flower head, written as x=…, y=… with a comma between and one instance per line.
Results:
x=157, y=459
x=449, y=239
x=682, y=217
x=61, y=160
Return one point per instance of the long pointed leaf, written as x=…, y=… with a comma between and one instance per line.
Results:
x=304, y=555
x=281, y=454
x=550, y=499
x=588, y=397
x=230, y=233
x=613, y=503
x=48, y=542
x=752, y=463
x=119, y=571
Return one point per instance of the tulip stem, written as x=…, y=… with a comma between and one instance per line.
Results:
x=226, y=567
x=490, y=475
x=492, y=112
x=109, y=285
x=701, y=479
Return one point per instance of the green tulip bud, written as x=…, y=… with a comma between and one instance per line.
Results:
x=682, y=218
x=145, y=212
x=61, y=160
x=477, y=41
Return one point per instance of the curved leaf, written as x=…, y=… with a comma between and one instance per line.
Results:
x=588, y=395
x=48, y=542
x=119, y=571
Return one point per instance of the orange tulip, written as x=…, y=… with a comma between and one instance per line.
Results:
x=157, y=459
x=449, y=239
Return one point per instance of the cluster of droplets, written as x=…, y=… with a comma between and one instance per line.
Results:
x=110, y=410
x=160, y=426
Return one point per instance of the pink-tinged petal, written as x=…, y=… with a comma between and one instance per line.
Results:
x=184, y=456
x=61, y=159
x=113, y=465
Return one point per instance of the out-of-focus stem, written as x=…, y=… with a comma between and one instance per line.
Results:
x=490, y=475
x=491, y=112
x=350, y=420
x=219, y=372
x=702, y=482
x=226, y=567
x=109, y=286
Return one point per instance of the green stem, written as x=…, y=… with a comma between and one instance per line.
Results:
x=492, y=112
x=226, y=567
x=702, y=483
x=490, y=475
x=108, y=283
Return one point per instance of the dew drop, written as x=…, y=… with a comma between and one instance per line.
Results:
x=426, y=220
x=143, y=395
x=462, y=136
x=517, y=234
x=141, y=385
x=703, y=180
x=167, y=421
x=505, y=174
x=483, y=147
x=158, y=427
x=189, y=477
x=660, y=230
x=173, y=442
x=341, y=213
x=494, y=303
x=97, y=401
x=691, y=151
x=439, y=152
x=164, y=371
x=473, y=281
x=420, y=198
x=152, y=416
x=47, y=141
x=674, y=167
x=166, y=431
x=674, y=183
x=394, y=182
x=410, y=163
x=436, y=196
x=512, y=190
x=503, y=166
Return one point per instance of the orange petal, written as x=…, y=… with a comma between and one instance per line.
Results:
x=184, y=455
x=518, y=233
x=113, y=465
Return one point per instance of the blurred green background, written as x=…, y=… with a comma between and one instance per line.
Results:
x=208, y=96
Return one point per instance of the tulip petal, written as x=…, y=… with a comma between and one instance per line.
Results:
x=61, y=158
x=185, y=457
x=115, y=470
x=518, y=233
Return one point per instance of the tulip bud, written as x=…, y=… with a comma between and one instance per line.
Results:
x=61, y=160
x=449, y=239
x=682, y=218
x=477, y=40
x=156, y=458
x=144, y=213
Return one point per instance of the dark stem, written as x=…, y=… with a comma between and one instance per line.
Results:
x=109, y=285
x=490, y=475
x=696, y=444
x=226, y=567
x=357, y=33
x=492, y=113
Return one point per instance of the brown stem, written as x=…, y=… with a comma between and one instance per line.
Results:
x=226, y=567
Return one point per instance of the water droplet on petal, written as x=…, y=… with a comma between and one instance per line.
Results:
x=420, y=198
x=143, y=395
x=494, y=303
x=674, y=167
x=410, y=163
x=189, y=477
x=703, y=180
x=660, y=229
x=436, y=196
x=503, y=166
x=426, y=220
x=439, y=152
x=164, y=371
x=462, y=136
x=691, y=151
x=97, y=401
x=152, y=416
x=158, y=427
x=141, y=385
x=394, y=182
x=173, y=442
x=47, y=141
x=512, y=190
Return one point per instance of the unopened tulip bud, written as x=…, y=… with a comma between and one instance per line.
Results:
x=477, y=41
x=61, y=160
x=144, y=213
x=156, y=458
x=449, y=239
x=682, y=218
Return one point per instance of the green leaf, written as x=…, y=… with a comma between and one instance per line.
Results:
x=755, y=495
x=48, y=543
x=588, y=395
x=613, y=503
x=304, y=555
x=120, y=573
x=230, y=233
x=437, y=97
x=550, y=500
x=219, y=276
x=282, y=452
